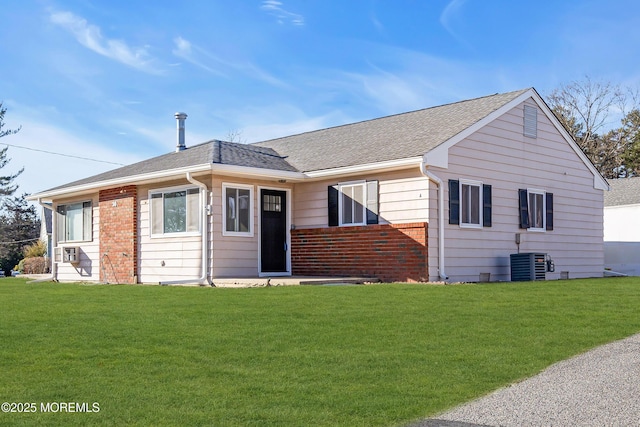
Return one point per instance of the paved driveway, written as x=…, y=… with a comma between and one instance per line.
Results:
x=598, y=388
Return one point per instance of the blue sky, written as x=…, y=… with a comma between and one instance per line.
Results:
x=102, y=79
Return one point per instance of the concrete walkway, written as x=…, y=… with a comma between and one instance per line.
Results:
x=598, y=388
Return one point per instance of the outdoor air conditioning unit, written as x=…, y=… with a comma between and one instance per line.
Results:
x=530, y=266
x=66, y=254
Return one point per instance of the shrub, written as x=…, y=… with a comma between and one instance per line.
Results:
x=35, y=265
x=36, y=249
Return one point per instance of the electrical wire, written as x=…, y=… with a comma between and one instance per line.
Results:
x=19, y=241
x=61, y=154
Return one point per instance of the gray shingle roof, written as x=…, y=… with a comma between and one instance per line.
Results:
x=215, y=152
x=624, y=191
x=389, y=138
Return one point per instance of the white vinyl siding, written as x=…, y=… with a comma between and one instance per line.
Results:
x=170, y=256
x=501, y=155
x=87, y=270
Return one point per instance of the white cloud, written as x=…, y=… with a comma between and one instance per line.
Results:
x=274, y=8
x=184, y=50
x=90, y=36
x=207, y=61
x=449, y=18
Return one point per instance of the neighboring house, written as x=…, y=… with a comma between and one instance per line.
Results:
x=45, y=229
x=437, y=194
x=622, y=226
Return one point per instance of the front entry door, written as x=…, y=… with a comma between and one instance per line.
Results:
x=273, y=234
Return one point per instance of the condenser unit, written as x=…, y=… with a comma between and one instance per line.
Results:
x=529, y=266
x=67, y=254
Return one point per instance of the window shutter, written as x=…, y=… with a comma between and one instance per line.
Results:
x=333, y=205
x=372, y=202
x=486, y=205
x=524, y=208
x=549, y=203
x=454, y=201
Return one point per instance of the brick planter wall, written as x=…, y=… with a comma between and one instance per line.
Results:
x=118, y=235
x=395, y=252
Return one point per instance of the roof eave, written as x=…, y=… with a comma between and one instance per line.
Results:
x=385, y=166
x=164, y=176
x=116, y=182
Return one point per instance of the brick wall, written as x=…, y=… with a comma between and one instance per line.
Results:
x=118, y=235
x=395, y=252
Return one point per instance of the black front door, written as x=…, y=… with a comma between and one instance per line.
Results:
x=273, y=234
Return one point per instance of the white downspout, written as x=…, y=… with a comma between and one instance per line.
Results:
x=204, y=192
x=438, y=182
x=53, y=243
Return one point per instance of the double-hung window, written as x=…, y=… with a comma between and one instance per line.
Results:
x=74, y=222
x=536, y=209
x=238, y=210
x=175, y=211
x=353, y=203
x=470, y=206
x=469, y=203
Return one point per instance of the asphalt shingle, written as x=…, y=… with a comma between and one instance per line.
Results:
x=624, y=191
x=389, y=138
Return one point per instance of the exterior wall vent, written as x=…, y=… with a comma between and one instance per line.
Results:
x=530, y=121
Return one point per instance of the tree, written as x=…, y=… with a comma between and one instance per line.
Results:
x=19, y=227
x=587, y=109
x=19, y=222
x=7, y=186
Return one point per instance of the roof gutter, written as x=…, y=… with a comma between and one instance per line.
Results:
x=204, y=193
x=438, y=182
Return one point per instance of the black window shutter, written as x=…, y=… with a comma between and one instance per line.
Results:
x=333, y=205
x=486, y=205
x=372, y=202
x=454, y=201
x=549, y=203
x=524, y=208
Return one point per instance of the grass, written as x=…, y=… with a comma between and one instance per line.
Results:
x=376, y=355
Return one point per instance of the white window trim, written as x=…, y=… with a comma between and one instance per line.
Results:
x=171, y=190
x=364, y=206
x=61, y=239
x=251, y=189
x=463, y=203
x=544, y=210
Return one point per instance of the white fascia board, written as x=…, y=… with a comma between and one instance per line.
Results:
x=256, y=172
x=127, y=180
x=164, y=176
x=369, y=167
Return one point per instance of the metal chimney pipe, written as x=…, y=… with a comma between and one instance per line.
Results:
x=181, y=117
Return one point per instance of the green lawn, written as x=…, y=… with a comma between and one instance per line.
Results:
x=311, y=355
